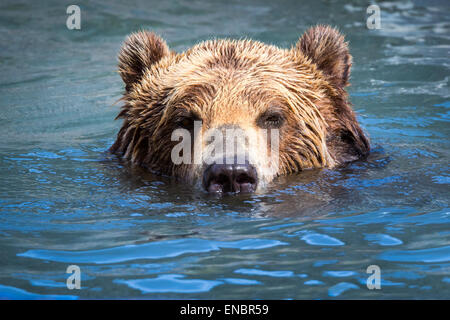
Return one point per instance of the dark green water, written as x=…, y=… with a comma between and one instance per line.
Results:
x=64, y=201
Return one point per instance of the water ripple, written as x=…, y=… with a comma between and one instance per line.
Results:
x=170, y=283
x=7, y=292
x=317, y=239
x=441, y=254
x=340, y=288
x=258, y=272
x=383, y=239
x=153, y=250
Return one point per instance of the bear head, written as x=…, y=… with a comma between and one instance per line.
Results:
x=284, y=110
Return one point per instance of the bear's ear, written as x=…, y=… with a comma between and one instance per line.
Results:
x=139, y=51
x=326, y=47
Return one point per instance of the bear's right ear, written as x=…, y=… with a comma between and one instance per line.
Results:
x=139, y=51
x=326, y=47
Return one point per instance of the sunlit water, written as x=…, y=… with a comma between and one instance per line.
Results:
x=65, y=201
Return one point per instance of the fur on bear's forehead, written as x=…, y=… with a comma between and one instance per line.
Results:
x=217, y=78
x=237, y=54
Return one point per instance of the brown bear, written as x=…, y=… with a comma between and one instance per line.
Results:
x=299, y=93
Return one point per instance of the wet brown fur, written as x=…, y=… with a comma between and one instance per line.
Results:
x=233, y=82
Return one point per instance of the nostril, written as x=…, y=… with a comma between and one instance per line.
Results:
x=222, y=179
x=245, y=178
x=217, y=178
x=220, y=183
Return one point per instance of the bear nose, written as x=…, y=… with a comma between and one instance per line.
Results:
x=219, y=178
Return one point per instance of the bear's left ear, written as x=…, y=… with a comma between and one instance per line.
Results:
x=326, y=47
x=139, y=51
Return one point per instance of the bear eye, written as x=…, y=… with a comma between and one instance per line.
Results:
x=187, y=122
x=270, y=120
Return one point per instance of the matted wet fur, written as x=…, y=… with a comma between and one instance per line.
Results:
x=240, y=83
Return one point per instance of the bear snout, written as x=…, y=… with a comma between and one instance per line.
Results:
x=221, y=178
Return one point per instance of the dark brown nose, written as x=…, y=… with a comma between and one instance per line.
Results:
x=219, y=178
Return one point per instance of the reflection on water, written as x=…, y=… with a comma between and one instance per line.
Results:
x=64, y=200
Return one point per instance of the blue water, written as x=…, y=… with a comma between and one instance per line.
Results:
x=65, y=201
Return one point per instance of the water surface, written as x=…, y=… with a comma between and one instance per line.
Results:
x=65, y=201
